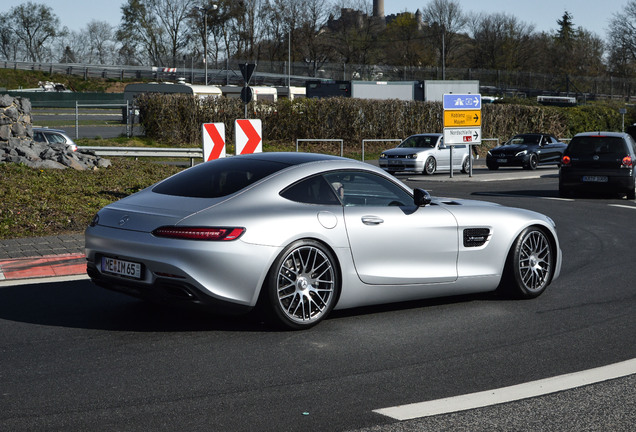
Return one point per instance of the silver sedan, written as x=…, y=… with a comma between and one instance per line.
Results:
x=301, y=234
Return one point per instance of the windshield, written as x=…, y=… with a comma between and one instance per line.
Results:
x=525, y=139
x=419, y=141
x=591, y=145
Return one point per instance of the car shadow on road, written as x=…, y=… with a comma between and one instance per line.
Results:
x=78, y=304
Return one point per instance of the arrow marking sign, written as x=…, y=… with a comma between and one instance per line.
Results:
x=248, y=136
x=462, y=135
x=461, y=118
x=462, y=101
x=213, y=141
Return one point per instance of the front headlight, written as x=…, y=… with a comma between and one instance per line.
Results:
x=383, y=156
x=522, y=153
x=412, y=156
x=489, y=154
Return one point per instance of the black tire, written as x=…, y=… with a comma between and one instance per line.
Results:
x=430, y=166
x=303, y=285
x=465, y=168
x=533, y=162
x=631, y=193
x=530, y=265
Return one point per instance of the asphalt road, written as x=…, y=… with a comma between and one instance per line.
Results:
x=75, y=357
x=113, y=129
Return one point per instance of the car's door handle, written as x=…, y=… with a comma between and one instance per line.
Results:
x=372, y=220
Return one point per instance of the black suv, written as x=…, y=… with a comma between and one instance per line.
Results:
x=600, y=162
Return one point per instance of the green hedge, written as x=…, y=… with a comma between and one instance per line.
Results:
x=176, y=119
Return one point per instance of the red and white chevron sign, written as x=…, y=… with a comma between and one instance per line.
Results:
x=213, y=141
x=248, y=136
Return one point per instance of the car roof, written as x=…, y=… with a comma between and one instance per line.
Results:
x=291, y=158
x=45, y=129
x=602, y=133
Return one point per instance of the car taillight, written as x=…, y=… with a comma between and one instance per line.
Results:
x=626, y=162
x=198, y=233
x=565, y=160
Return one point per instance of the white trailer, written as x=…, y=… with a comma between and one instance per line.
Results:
x=434, y=90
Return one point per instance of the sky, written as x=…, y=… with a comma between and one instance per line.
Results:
x=592, y=15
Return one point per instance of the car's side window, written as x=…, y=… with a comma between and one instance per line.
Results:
x=358, y=188
x=312, y=190
x=38, y=137
x=55, y=138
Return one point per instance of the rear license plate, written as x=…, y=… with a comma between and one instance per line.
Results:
x=121, y=267
x=595, y=179
x=502, y=160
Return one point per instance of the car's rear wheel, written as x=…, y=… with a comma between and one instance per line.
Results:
x=303, y=285
x=430, y=166
x=530, y=266
x=631, y=192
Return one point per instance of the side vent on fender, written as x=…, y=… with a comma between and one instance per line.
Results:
x=475, y=237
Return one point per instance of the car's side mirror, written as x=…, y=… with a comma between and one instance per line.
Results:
x=421, y=198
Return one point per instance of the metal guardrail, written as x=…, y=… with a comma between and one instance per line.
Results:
x=190, y=153
x=299, y=140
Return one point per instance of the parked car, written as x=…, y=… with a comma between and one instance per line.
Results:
x=424, y=154
x=528, y=151
x=53, y=136
x=300, y=234
x=599, y=162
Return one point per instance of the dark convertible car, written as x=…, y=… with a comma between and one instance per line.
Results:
x=528, y=151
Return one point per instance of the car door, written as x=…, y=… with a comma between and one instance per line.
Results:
x=551, y=150
x=442, y=155
x=392, y=241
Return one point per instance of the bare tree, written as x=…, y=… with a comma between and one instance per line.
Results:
x=141, y=35
x=36, y=26
x=171, y=17
x=445, y=20
x=9, y=45
x=404, y=43
x=622, y=41
x=501, y=41
x=100, y=42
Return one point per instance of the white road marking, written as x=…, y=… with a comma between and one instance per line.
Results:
x=510, y=394
x=623, y=206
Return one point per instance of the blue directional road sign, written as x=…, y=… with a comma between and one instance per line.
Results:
x=462, y=101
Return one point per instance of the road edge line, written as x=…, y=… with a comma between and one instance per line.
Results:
x=510, y=394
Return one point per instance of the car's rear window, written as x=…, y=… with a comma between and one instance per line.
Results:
x=591, y=145
x=218, y=178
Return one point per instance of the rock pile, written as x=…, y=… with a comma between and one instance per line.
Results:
x=17, y=145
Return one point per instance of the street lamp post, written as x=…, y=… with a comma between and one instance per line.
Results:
x=205, y=36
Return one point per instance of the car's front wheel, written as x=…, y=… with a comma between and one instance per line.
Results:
x=533, y=162
x=465, y=167
x=430, y=166
x=303, y=285
x=530, y=264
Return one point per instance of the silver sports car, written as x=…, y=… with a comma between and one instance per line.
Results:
x=300, y=234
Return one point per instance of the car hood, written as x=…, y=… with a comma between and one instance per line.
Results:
x=450, y=202
x=509, y=148
x=406, y=151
